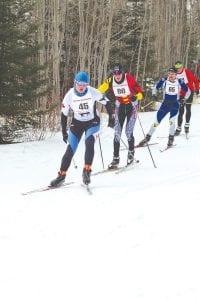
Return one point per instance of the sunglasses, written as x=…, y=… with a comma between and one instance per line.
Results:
x=81, y=83
x=117, y=72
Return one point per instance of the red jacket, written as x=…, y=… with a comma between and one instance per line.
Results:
x=198, y=72
x=190, y=80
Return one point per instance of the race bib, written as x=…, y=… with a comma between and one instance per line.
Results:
x=121, y=89
x=182, y=76
x=171, y=88
x=83, y=107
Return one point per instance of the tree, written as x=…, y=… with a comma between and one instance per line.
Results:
x=21, y=77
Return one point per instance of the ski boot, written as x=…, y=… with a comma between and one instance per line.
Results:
x=178, y=131
x=144, y=141
x=186, y=129
x=59, y=179
x=130, y=157
x=170, y=141
x=86, y=174
x=114, y=164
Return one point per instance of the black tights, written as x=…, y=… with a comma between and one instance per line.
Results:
x=188, y=111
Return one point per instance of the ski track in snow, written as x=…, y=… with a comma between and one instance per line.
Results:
x=135, y=237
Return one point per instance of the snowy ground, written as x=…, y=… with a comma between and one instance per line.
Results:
x=135, y=238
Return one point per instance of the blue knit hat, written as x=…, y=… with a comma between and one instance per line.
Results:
x=81, y=77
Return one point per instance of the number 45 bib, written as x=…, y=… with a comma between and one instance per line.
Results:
x=83, y=107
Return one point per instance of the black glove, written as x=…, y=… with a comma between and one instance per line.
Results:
x=65, y=137
x=197, y=92
x=182, y=100
x=111, y=121
x=133, y=98
x=154, y=98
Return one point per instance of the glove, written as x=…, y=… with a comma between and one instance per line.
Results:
x=197, y=92
x=139, y=96
x=65, y=137
x=133, y=98
x=154, y=98
x=182, y=100
x=111, y=121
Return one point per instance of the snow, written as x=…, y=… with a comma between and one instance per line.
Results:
x=136, y=237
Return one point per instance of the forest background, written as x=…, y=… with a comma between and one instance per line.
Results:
x=43, y=43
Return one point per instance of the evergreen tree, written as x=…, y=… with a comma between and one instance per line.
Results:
x=21, y=77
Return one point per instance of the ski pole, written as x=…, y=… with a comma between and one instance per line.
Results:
x=101, y=152
x=124, y=143
x=75, y=166
x=147, y=144
x=136, y=160
x=143, y=107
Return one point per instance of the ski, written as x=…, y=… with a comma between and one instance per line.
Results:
x=126, y=167
x=113, y=170
x=167, y=147
x=149, y=144
x=185, y=135
x=104, y=171
x=87, y=188
x=47, y=188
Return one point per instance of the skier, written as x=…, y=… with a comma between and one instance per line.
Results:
x=126, y=93
x=192, y=82
x=171, y=97
x=81, y=100
x=198, y=72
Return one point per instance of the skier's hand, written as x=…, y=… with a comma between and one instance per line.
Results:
x=111, y=121
x=133, y=98
x=197, y=92
x=182, y=100
x=65, y=137
x=139, y=96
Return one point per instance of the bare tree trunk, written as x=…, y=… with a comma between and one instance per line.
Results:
x=148, y=42
x=51, y=17
x=142, y=37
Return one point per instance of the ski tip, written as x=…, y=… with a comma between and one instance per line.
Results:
x=47, y=188
x=167, y=147
x=87, y=187
x=146, y=145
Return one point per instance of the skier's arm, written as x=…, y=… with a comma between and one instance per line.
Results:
x=107, y=103
x=192, y=77
x=132, y=82
x=186, y=89
x=108, y=106
x=64, y=114
x=64, y=127
x=105, y=86
x=111, y=117
x=157, y=86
